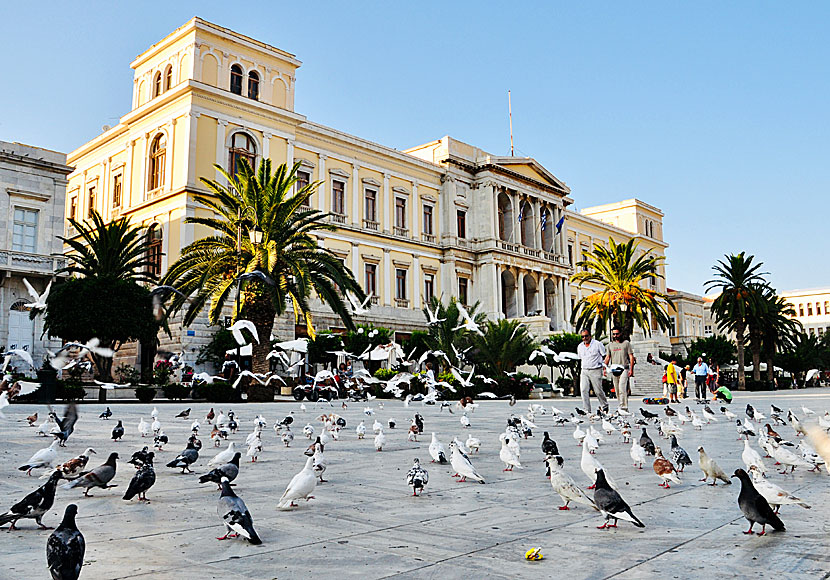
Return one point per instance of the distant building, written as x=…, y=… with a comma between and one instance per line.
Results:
x=690, y=320
x=32, y=192
x=812, y=309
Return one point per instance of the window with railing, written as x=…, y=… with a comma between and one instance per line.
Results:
x=303, y=179
x=370, y=279
x=400, y=213
x=370, y=205
x=90, y=202
x=428, y=209
x=429, y=287
x=338, y=197
x=153, y=252
x=116, y=190
x=242, y=146
x=400, y=284
x=253, y=85
x=461, y=223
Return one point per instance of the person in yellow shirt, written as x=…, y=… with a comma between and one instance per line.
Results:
x=672, y=381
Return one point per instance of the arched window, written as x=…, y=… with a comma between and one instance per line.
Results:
x=243, y=146
x=158, y=155
x=157, y=84
x=154, y=239
x=253, y=85
x=168, y=77
x=236, y=79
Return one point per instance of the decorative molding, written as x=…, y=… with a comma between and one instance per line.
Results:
x=372, y=182
x=339, y=173
x=371, y=258
x=304, y=163
x=429, y=269
x=462, y=203
x=340, y=253
x=401, y=264
x=37, y=196
x=401, y=190
x=429, y=198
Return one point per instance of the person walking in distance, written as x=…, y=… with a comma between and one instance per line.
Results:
x=701, y=372
x=591, y=354
x=671, y=381
x=621, y=357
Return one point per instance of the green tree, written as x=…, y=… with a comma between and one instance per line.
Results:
x=503, y=345
x=778, y=328
x=446, y=334
x=717, y=348
x=214, y=351
x=738, y=280
x=566, y=342
x=364, y=337
x=804, y=353
x=320, y=348
x=625, y=296
x=284, y=267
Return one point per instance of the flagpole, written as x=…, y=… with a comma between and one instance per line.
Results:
x=510, y=116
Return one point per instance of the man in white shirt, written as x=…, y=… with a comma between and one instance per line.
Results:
x=591, y=354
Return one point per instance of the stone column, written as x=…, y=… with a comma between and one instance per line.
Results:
x=356, y=195
x=192, y=130
x=321, y=176
x=221, y=124
x=168, y=159
x=142, y=177
x=520, y=293
x=106, y=205
x=488, y=292
x=388, y=204
x=416, y=282
x=356, y=261
x=127, y=186
x=537, y=221
x=266, y=145
x=388, y=274
x=415, y=221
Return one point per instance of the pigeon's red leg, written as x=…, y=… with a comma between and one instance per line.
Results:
x=763, y=530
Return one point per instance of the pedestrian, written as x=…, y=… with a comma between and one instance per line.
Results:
x=701, y=372
x=230, y=368
x=672, y=380
x=619, y=355
x=684, y=374
x=723, y=394
x=591, y=354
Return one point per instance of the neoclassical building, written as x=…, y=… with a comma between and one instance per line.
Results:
x=441, y=219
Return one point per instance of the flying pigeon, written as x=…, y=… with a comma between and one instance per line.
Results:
x=240, y=325
x=611, y=504
x=755, y=508
x=235, y=515
x=34, y=505
x=65, y=548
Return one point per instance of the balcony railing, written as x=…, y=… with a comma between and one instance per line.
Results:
x=24, y=261
x=509, y=247
x=462, y=242
x=338, y=218
x=428, y=238
x=374, y=300
x=532, y=252
x=403, y=232
x=401, y=303
x=371, y=225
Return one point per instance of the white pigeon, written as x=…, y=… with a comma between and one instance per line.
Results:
x=473, y=444
x=728, y=414
x=436, y=450
x=143, y=428
x=638, y=454
x=807, y=411
x=360, y=430
x=287, y=436
x=38, y=300
x=787, y=458
x=308, y=430
x=461, y=446
x=241, y=325
x=376, y=426
x=220, y=419
x=507, y=454
x=462, y=465
x=710, y=468
x=697, y=422
x=301, y=486
x=325, y=438
x=302, y=407
x=255, y=447
x=564, y=485
x=607, y=426
x=590, y=465
x=360, y=308
x=195, y=425
x=154, y=413
x=590, y=443
x=320, y=464
x=380, y=440
x=579, y=435
x=255, y=434
x=223, y=456
x=710, y=415
x=775, y=496
x=824, y=421
x=156, y=426
x=42, y=458
x=751, y=457
x=465, y=421
x=45, y=427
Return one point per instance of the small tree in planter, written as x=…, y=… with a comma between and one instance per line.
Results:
x=162, y=372
x=145, y=394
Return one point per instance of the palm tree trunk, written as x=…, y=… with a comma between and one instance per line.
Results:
x=260, y=310
x=755, y=348
x=739, y=340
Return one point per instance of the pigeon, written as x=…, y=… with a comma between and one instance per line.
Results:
x=751, y=457
x=549, y=446
x=709, y=414
x=710, y=468
x=392, y=423
x=360, y=430
x=750, y=411
x=139, y=458
x=228, y=471
x=155, y=426
x=42, y=458
x=508, y=454
x=436, y=450
x=417, y=477
x=184, y=414
x=34, y=505
x=796, y=424
x=473, y=444
x=154, y=414
x=254, y=446
x=590, y=465
x=308, y=431
x=611, y=504
x=564, y=485
x=376, y=426
x=681, y=458
x=638, y=455
x=98, y=477
x=65, y=548
x=118, y=431
x=75, y=466
x=462, y=465
x=320, y=463
x=143, y=480
x=419, y=421
x=160, y=441
x=664, y=469
x=774, y=495
x=235, y=515
x=301, y=486
x=727, y=413
x=223, y=456
x=465, y=421
x=106, y=414
x=143, y=427
x=187, y=457
x=648, y=414
x=579, y=435
x=788, y=459
x=66, y=425
x=745, y=430
x=380, y=440
x=646, y=443
x=287, y=436
x=755, y=508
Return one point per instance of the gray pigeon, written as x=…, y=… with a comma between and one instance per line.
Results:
x=65, y=548
x=646, y=442
x=681, y=458
x=235, y=514
x=417, y=477
x=143, y=480
x=611, y=504
x=228, y=471
x=755, y=507
x=98, y=477
x=187, y=457
x=34, y=505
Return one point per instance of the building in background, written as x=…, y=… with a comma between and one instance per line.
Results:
x=32, y=192
x=812, y=309
x=690, y=319
x=441, y=219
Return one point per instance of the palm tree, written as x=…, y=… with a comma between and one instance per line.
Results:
x=116, y=249
x=281, y=268
x=504, y=345
x=446, y=335
x=779, y=329
x=738, y=280
x=625, y=296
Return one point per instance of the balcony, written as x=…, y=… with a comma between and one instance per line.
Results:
x=509, y=247
x=401, y=303
x=338, y=218
x=26, y=262
x=462, y=242
x=375, y=300
x=428, y=238
x=402, y=232
x=531, y=252
x=371, y=225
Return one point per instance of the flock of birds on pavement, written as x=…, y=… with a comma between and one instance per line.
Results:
x=760, y=499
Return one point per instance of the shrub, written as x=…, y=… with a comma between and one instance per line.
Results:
x=128, y=374
x=176, y=391
x=70, y=391
x=162, y=372
x=785, y=383
x=540, y=380
x=145, y=394
x=566, y=384
x=384, y=374
x=218, y=392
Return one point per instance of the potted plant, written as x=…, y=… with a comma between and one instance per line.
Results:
x=145, y=394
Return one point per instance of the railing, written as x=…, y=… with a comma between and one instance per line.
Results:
x=403, y=232
x=462, y=242
x=31, y=262
x=428, y=238
x=154, y=193
x=532, y=252
x=338, y=218
x=401, y=302
x=371, y=225
x=509, y=247
x=116, y=211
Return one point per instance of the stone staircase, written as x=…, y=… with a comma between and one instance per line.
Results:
x=648, y=379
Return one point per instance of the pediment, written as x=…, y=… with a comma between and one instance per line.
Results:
x=531, y=169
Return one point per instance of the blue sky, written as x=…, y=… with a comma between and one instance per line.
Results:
x=715, y=112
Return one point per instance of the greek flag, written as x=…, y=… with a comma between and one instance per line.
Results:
x=544, y=222
x=521, y=211
x=559, y=225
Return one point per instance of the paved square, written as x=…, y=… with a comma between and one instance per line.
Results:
x=365, y=523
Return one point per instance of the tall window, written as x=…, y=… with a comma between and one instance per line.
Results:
x=303, y=179
x=236, y=79
x=154, y=239
x=428, y=220
x=571, y=254
x=429, y=286
x=24, y=230
x=818, y=309
x=158, y=155
x=242, y=147
x=462, y=291
x=73, y=207
x=400, y=284
x=809, y=309
x=253, y=85
x=801, y=310
x=168, y=77
x=116, y=190
x=91, y=205
x=370, y=279
x=371, y=205
x=338, y=197
x=673, y=327
x=461, y=223
x=157, y=84
x=400, y=213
